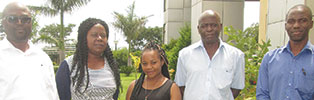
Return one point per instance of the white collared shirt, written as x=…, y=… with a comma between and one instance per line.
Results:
x=26, y=75
x=210, y=79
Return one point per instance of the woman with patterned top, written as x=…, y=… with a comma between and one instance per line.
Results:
x=92, y=72
x=157, y=84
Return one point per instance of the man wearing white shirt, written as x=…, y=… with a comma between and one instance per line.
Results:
x=26, y=72
x=210, y=69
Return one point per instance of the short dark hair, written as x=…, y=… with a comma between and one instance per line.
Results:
x=301, y=6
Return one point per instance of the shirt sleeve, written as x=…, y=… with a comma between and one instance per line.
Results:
x=262, y=92
x=52, y=82
x=180, y=77
x=63, y=81
x=238, y=82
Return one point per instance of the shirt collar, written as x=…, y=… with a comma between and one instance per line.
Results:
x=201, y=44
x=308, y=46
x=6, y=44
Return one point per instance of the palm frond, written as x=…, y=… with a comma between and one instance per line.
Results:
x=44, y=10
x=46, y=39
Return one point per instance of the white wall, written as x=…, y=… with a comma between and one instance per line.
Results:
x=177, y=13
x=277, y=10
x=231, y=12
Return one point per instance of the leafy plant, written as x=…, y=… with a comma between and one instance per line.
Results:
x=55, y=7
x=121, y=56
x=127, y=70
x=130, y=25
x=247, y=42
x=136, y=62
x=51, y=34
x=147, y=34
x=172, y=49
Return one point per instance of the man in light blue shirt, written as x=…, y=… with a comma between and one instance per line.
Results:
x=210, y=69
x=287, y=73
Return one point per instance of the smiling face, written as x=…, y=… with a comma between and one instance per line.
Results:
x=97, y=40
x=151, y=63
x=298, y=23
x=17, y=23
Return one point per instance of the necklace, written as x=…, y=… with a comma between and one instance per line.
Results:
x=152, y=90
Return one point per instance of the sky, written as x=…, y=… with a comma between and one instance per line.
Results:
x=103, y=9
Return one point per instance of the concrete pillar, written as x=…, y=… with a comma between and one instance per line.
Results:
x=263, y=21
x=176, y=14
x=275, y=21
x=310, y=3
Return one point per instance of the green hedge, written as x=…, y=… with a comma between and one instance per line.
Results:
x=172, y=49
x=247, y=42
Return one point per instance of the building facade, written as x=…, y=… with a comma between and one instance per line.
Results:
x=272, y=17
x=272, y=20
x=177, y=13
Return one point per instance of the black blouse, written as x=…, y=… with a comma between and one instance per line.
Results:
x=161, y=93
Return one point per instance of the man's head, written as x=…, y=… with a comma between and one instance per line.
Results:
x=17, y=22
x=298, y=23
x=209, y=26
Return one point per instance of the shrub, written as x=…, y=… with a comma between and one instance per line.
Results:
x=121, y=56
x=172, y=49
x=127, y=70
x=247, y=42
x=55, y=68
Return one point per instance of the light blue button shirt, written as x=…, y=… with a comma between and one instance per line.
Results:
x=283, y=76
x=210, y=79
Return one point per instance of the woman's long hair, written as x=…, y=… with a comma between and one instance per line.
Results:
x=164, y=70
x=80, y=58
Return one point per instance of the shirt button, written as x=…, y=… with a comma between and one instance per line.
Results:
x=291, y=72
x=289, y=85
x=287, y=96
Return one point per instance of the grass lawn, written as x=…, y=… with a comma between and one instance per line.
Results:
x=125, y=81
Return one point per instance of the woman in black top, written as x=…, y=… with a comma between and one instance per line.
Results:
x=157, y=84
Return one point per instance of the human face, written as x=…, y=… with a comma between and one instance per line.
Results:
x=209, y=28
x=17, y=24
x=151, y=63
x=97, y=40
x=298, y=25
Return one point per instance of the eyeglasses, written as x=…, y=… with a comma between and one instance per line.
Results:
x=15, y=19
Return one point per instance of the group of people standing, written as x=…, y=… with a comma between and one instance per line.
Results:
x=209, y=69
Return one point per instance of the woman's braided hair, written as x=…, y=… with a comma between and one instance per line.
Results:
x=80, y=58
x=164, y=70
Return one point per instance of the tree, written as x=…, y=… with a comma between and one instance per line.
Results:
x=35, y=26
x=51, y=34
x=55, y=7
x=147, y=34
x=130, y=25
x=1, y=27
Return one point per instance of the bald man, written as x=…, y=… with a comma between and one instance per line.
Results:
x=287, y=73
x=26, y=72
x=210, y=69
